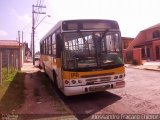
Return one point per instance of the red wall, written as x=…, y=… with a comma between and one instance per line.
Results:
x=155, y=43
x=137, y=55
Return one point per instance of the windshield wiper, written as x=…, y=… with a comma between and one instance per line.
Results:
x=80, y=34
x=84, y=39
x=104, y=34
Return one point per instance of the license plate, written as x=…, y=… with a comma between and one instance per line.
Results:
x=99, y=88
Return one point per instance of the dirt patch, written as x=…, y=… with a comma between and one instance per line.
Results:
x=41, y=99
x=32, y=96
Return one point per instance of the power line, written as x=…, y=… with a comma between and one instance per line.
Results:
x=37, y=9
x=33, y=26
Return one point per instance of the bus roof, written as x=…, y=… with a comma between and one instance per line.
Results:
x=112, y=23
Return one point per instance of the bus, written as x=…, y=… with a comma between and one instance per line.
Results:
x=83, y=56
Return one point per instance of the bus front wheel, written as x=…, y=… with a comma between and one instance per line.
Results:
x=55, y=80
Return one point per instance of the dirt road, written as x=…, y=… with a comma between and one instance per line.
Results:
x=41, y=101
x=140, y=96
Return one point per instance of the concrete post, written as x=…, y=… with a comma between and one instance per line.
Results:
x=0, y=67
x=7, y=62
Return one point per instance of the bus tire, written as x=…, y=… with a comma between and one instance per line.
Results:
x=43, y=66
x=55, y=80
x=39, y=66
x=45, y=72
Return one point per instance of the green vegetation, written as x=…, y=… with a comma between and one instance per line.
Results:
x=11, y=73
x=135, y=62
x=6, y=79
x=11, y=91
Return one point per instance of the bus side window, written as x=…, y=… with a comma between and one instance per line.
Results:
x=58, y=45
x=53, y=45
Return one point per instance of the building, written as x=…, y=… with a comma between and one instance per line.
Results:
x=12, y=53
x=126, y=41
x=146, y=45
x=27, y=51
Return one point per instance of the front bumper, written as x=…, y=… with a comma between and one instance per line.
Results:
x=76, y=90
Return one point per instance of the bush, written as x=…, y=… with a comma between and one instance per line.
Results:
x=135, y=62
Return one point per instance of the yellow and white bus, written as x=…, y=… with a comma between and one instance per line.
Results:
x=83, y=56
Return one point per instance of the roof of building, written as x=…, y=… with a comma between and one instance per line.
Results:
x=8, y=43
x=154, y=26
x=139, y=40
x=144, y=44
x=127, y=38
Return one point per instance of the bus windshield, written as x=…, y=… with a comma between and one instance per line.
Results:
x=91, y=49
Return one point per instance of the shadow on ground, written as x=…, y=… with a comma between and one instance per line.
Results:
x=14, y=96
x=83, y=106
x=44, y=104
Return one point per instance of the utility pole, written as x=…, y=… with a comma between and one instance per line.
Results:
x=23, y=50
x=22, y=37
x=31, y=45
x=19, y=61
x=33, y=28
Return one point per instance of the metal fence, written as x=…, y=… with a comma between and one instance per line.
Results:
x=9, y=60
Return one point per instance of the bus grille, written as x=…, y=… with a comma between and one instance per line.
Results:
x=93, y=81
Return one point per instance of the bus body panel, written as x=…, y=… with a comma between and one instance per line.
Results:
x=52, y=65
x=76, y=75
x=102, y=80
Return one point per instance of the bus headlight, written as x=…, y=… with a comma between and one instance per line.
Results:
x=115, y=77
x=120, y=76
x=73, y=81
x=66, y=82
x=79, y=81
x=76, y=82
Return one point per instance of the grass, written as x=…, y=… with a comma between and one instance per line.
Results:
x=11, y=91
x=11, y=73
x=6, y=79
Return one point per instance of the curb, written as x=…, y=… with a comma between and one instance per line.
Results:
x=152, y=69
x=158, y=70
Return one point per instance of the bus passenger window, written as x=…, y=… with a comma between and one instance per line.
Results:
x=53, y=45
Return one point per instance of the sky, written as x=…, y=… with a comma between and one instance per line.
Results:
x=132, y=15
